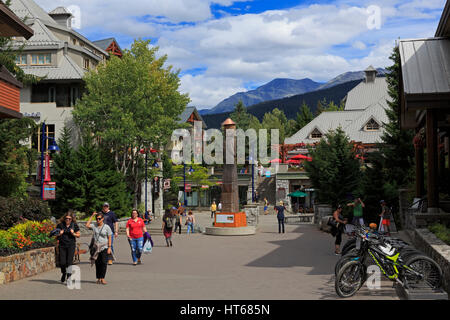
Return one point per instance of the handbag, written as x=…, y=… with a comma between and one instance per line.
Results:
x=332, y=222
x=93, y=244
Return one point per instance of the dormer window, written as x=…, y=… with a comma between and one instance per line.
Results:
x=316, y=134
x=372, y=125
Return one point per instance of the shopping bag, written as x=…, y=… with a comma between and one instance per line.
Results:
x=147, y=247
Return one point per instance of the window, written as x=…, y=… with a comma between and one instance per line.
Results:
x=49, y=132
x=51, y=94
x=74, y=41
x=41, y=59
x=316, y=134
x=372, y=125
x=22, y=59
x=74, y=95
x=86, y=64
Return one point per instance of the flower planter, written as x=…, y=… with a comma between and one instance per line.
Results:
x=27, y=264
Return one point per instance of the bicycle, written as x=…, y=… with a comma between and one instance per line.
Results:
x=409, y=269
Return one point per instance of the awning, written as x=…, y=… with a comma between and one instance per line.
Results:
x=301, y=157
x=297, y=194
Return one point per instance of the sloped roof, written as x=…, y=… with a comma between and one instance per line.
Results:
x=105, y=43
x=367, y=94
x=60, y=11
x=12, y=25
x=29, y=9
x=425, y=66
x=324, y=122
x=184, y=117
x=67, y=69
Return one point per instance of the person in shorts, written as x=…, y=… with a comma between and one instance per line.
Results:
x=386, y=216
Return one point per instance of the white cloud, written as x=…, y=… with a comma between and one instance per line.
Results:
x=317, y=41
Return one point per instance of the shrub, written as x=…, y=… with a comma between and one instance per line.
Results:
x=13, y=211
x=26, y=236
x=441, y=231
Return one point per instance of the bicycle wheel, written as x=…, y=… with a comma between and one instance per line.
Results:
x=429, y=270
x=349, y=245
x=352, y=254
x=349, y=279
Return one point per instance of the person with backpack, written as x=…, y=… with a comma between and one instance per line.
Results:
x=337, y=228
x=167, y=226
x=69, y=232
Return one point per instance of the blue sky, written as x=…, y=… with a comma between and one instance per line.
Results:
x=227, y=46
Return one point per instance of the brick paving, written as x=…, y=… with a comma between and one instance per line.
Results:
x=293, y=266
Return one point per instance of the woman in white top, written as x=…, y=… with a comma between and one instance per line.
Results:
x=102, y=244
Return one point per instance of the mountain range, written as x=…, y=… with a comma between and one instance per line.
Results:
x=282, y=88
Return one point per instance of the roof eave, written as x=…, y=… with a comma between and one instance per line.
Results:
x=12, y=20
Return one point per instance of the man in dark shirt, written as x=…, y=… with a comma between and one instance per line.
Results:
x=112, y=221
x=280, y=216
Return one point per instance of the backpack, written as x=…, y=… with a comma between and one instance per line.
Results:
x=169, y=222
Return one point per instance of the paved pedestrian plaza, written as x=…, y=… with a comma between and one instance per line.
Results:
x=296, y=265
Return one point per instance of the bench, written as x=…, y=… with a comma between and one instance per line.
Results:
x=303, y=218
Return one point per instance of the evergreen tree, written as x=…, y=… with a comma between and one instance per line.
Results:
x=397, y=146
x=334, y=171
x=304, y=116
x=240, y=116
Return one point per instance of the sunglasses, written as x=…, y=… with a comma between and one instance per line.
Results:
x=67, y=218
x=98, y=219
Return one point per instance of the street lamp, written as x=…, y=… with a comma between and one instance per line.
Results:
x=53, y=147
x=155, y=165
x=184, y=177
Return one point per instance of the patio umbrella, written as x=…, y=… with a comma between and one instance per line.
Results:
x=293, y=161
x=275, y=161
x=301, y=157
x=297, y=194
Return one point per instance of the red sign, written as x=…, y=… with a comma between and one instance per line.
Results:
x=188, y=187
x=49, y=191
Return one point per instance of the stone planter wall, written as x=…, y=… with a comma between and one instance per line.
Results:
x=428, y=243
x=27, y=264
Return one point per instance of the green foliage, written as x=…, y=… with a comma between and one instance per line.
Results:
x=130, y=104
x=15, y=210
x=334, y=171
x=241, y=117
x=86, y=178
x=441, y=231
x=14, y=162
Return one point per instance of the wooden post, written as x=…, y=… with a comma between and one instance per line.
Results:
x=419, y=171
x=432, y=157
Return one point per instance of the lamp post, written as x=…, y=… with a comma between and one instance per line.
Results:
x=184, y=178
x=44, y=152
x=142, y=151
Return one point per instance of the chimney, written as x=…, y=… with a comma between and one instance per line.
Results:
x=371, y=74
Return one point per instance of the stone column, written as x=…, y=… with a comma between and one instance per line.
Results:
x=230, y=187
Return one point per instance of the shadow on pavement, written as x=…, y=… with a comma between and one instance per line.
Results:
x=312, y=249
x=56, y=282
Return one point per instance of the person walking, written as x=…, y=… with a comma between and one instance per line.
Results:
x=101, y=246
x=178, y=220
x=358, y=206
x=280, y=216
x=167, y=226
x=113, y=223
x=213, y=209
x=266, y=205
x=386, y=216
x=338, y=228
x=67, y=242
x=135, y=233
x=190, y=221
x=148, y=217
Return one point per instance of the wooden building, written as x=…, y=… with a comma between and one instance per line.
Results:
x=425, y=107
x=10, y=26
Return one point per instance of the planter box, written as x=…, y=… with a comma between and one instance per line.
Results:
x=27, y=264
x=427, y=242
